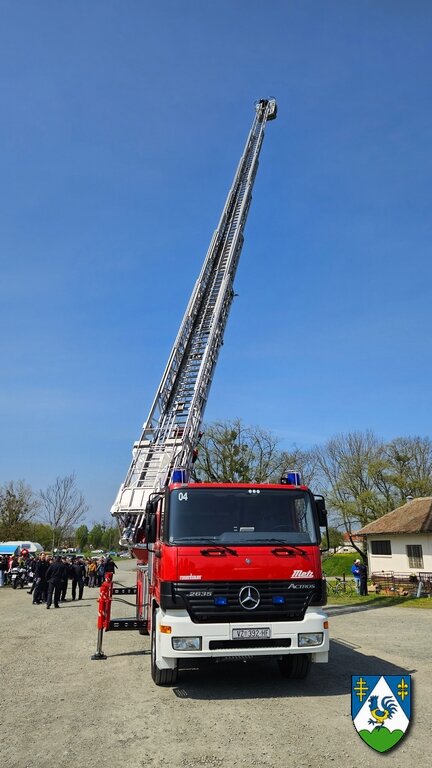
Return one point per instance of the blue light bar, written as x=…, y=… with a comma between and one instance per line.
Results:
x=278, y=599
x=179, y=475
x=220, y=601
x=293, y=478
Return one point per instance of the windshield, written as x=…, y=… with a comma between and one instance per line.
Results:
x=240, y=516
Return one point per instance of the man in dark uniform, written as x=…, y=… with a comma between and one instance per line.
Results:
x=363, y=578
x=40, y=580
x=110, y=566
x=55, y=575
x=67, y=574
x=77, y=573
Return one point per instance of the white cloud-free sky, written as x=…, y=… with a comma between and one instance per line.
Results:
x=121, y=125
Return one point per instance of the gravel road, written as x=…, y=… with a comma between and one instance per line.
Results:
x=62, y=709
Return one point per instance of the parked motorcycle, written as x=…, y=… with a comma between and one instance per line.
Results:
x=19, y=578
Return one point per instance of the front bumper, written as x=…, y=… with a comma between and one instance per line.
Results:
x=217, y=639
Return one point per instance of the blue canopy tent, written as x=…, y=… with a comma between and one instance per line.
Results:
x=9, y=549
x=31, y=546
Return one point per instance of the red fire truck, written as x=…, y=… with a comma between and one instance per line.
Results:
x=233, y=570
x=224, y=570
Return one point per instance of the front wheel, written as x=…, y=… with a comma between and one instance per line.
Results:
x=160, y=676
x=295, y=667
x=14, y=584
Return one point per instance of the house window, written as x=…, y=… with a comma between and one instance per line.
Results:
x=415, y=555
x=381, y=547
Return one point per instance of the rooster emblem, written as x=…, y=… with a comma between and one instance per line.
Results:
x=381, y=714
x=381, y=709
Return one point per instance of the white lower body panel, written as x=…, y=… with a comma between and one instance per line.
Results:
x=181, y=626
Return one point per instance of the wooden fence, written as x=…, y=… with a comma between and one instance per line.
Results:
x=391, y=582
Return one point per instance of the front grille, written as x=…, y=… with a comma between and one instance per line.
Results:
x=222, y=645
x=199, y=600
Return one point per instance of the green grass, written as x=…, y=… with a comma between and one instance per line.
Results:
x=337, y=565
x=374, y=600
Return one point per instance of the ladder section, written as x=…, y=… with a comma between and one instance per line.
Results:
x=171, y=431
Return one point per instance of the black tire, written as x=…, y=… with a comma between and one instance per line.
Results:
x=160, y=676
x=296, y=666
x=14, y=584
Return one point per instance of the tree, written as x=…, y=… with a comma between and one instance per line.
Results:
x=104, y=536
x=336, y=539
x=18, y=507
x=110, y=537
x=41, y=533
x=96, y=535
x=364, y=478
x=409, y=467
x=231, y=452
x=343, y=464
x=82, y=537
x=63, y=506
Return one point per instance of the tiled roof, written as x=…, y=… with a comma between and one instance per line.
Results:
x=413, y=517
x=353, y=535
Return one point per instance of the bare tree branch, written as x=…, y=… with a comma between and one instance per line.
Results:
x=63, y=507
x=231, y=452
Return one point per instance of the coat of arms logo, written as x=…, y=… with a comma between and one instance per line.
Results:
x=381, y=708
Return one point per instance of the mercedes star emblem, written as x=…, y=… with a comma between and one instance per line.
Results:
x=249, y=598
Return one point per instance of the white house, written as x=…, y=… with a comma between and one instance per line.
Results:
x=401, y=540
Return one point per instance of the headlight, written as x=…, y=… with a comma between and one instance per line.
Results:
x=306, y=639
x=186, y=643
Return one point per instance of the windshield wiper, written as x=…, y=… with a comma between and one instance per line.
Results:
x=211, y=545
x=218, y=546
x=283, y=544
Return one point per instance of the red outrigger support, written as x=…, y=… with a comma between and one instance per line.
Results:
x=104, y=621
x=104, y=613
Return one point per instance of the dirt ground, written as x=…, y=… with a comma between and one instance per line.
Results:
x=61, y=709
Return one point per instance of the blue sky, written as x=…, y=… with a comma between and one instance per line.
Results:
x=121, y=125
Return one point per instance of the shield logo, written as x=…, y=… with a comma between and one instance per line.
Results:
x=381, y=709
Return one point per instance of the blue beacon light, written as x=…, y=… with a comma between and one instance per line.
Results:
x=179, y=475
x=220, y=601
x=293, y=478
x=278, y=600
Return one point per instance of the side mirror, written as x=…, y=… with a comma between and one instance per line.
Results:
x=322, y=518
x=322, y=512
x=150, y=519
x=150, y=506
x=150, y=528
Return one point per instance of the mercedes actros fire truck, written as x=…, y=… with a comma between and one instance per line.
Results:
x=224, y=570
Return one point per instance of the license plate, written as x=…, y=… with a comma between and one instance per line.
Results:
x=255, y=633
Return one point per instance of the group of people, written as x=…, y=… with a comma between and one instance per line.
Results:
x=50, y=576
x=359, y=571
x=7, y=563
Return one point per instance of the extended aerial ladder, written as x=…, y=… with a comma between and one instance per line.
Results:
x=167, y=447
